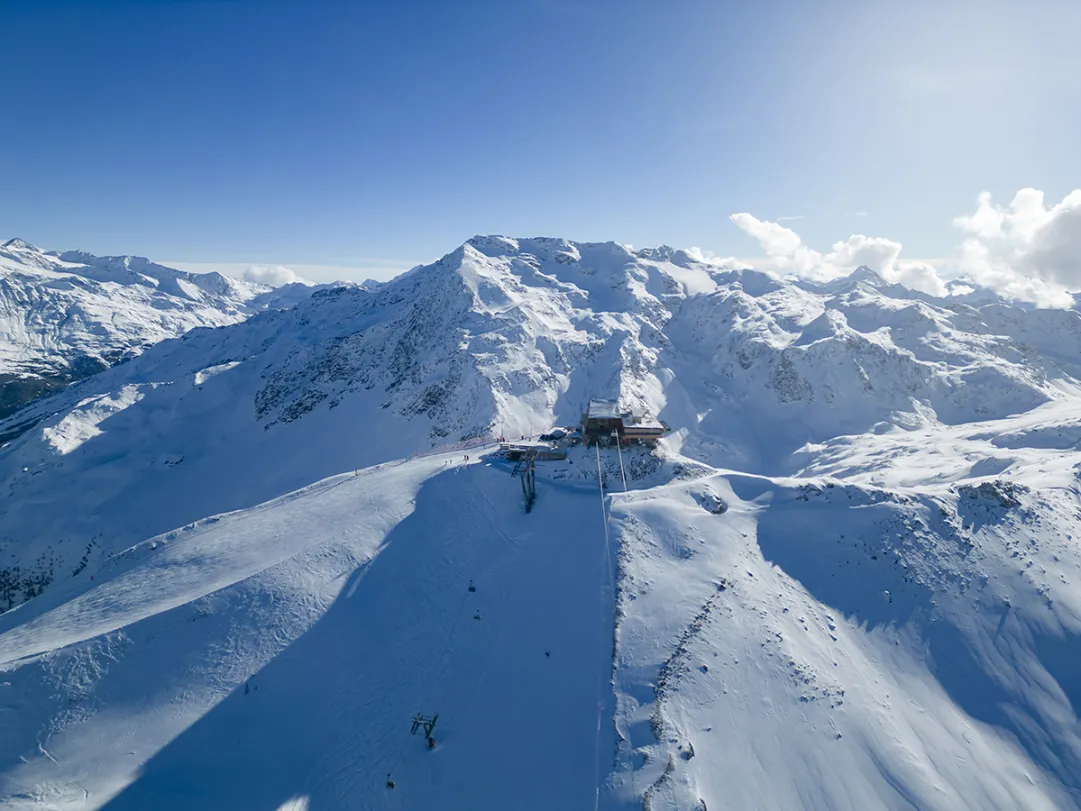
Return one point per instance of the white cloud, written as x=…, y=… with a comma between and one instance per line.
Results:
x=786, y=252
x=276, y=275
x=710, y=258
x=782, y=245
x=272, y=276
x=918, y=275
x=1025, y=250
x=986, y=222
x=877, y=253
x=776, y=240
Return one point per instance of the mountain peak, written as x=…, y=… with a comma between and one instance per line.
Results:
x=17, y=244
x=868, y=276
x=493, y=244
x=843, y=284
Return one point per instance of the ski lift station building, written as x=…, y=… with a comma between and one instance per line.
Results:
x=604, y=422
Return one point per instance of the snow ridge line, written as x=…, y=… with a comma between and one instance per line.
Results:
x=196, y=528
x=667, y=678
x=655, y=786
x=670, y=673
x=466, y=444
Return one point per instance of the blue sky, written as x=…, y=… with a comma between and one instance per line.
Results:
x=376, y=135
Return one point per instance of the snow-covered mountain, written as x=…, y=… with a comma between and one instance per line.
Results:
x=64, y=316
x=846, y=579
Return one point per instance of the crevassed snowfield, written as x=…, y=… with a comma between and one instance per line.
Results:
x=241, y=588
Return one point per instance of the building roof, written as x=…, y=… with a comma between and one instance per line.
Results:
x=525, y=445
x=639, y=422
x=603, y=410
x=644, y=428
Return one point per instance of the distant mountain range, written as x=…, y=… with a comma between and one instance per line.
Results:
x=64, y=316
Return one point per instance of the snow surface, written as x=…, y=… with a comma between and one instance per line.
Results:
x=846, y=579
x=306, y=633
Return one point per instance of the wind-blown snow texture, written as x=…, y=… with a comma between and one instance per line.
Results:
x=847, y=579
x=64, y=316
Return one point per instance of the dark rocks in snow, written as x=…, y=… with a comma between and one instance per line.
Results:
x=18, y=586
x=1003, y=493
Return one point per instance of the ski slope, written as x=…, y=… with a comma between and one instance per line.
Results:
x=280, y=653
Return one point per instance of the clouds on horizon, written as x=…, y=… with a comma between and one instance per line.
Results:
x=271, y=275
x=1023, y=251
x=787, y=252
x=279, y=275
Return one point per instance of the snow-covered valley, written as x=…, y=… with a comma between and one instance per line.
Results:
x=847, y=578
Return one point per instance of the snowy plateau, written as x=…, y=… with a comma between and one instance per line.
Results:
x=236, y=566
x=64, y=316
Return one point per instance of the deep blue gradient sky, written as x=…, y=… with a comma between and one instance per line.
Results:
x=327, y=132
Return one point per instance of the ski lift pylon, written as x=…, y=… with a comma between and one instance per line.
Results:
x=428, y=724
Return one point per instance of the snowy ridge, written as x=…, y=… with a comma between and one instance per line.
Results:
x=64, y=316
x=846, y=580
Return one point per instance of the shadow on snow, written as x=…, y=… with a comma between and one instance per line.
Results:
x=329, y=717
